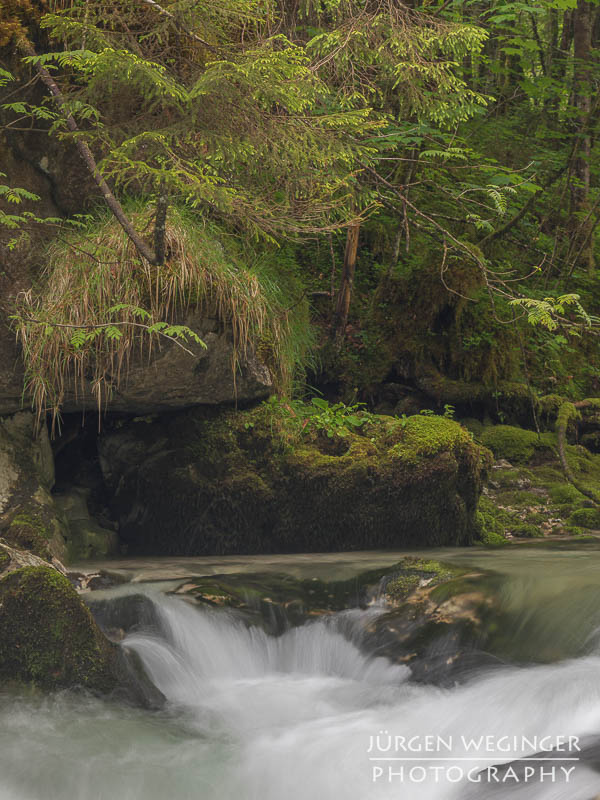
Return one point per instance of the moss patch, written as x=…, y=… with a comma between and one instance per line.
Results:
x=414, y=573
x=27, y=531
x=47, y=636
x=586, y=518
x=564, y=494
x=536, y=500
x=515, y=444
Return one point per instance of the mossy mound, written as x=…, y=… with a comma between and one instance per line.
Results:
x=234, y=483
x=586, y=518
x=516, y=445
x=48, y=638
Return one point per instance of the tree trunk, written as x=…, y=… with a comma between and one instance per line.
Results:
x=583, y=24
x=345, y=291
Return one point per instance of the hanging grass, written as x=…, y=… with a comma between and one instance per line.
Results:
x=98, y=303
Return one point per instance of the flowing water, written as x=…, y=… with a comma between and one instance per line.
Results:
x=304, y=715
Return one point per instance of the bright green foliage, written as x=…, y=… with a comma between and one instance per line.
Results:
x=298, y=419
x=548, y=312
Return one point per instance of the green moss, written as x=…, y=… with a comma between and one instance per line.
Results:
x=492, y=539
x=566, y=413
x=519, y=498
x=506, y=478
x=423, y=435
x=549, y=404
x=575, y=530
x=564, y=494
x=516, y=444
x=28, y=531
x=586, y=518
x=47, y=636
x=493, y=522
x=546, y=474
x=4, y=559
x=526, y=530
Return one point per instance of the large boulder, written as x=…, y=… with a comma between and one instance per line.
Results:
x=170, y=378
x=201, y=483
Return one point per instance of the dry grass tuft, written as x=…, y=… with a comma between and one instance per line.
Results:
x=92, y=271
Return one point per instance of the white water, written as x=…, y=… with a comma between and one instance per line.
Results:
x=261, y=718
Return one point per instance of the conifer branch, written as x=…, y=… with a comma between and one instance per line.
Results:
x=179, y=26
x=86, y=154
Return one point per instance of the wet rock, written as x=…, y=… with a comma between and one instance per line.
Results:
x=438, y=630
x=118, y=616
x=48, y=638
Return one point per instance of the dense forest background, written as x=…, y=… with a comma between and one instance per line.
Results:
x=390, y=203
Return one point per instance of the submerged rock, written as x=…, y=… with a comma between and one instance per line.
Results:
x=437, y=618
x=198, y=483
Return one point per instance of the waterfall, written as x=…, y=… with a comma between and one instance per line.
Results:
x=259, y=717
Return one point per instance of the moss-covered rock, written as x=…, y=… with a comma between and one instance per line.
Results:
x=440, y=628
x=233, y=483
x=515, y=444
x=531, y=496
x=48, y=638
x=586, y=518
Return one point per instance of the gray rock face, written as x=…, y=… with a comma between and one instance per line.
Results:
x=169, y=379
x=85, y=538
x=12, y=373
x=12, y=559
x=172, y=379
x=28, y=517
